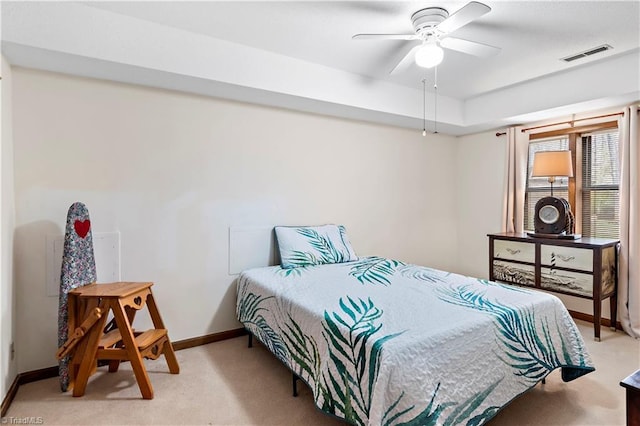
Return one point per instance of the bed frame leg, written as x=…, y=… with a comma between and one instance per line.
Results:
x=250, y=344
x=295, y=384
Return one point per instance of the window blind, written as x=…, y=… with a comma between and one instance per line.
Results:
x=600, y=185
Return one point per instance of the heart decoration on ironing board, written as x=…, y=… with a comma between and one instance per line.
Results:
x=82, y=227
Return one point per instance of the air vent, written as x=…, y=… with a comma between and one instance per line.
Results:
x=586, y=53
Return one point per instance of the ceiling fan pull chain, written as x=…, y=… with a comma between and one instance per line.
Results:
x=424, y=106
x=435, y=100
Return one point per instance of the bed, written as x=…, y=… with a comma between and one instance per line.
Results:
x=382, y=342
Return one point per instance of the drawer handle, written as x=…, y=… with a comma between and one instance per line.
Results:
x=513, y=251
x=565, y=258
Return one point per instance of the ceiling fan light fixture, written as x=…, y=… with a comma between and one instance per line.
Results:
x=429, y=55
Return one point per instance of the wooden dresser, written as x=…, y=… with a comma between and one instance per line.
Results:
x=585, y=268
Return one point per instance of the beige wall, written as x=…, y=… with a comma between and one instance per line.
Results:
x=480, y=168
x=172, y=172
x=8, y=365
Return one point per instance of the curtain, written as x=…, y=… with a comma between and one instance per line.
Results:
x=629, y=256
x=515, y=180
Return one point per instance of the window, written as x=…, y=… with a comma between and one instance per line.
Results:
x=600, y=184
x=592, y=192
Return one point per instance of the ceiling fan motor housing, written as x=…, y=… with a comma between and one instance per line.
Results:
x=425, y=20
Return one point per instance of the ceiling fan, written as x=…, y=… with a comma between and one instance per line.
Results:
x=432, y=27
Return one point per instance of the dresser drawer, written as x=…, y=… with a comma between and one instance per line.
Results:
x=566, y=282
x=567, y=257
x=515, y=273
x=514, y=250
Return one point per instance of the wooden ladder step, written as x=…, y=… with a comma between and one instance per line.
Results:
x=149, y=337
x=110, y=339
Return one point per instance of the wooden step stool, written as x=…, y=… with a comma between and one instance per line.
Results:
x=89, y=307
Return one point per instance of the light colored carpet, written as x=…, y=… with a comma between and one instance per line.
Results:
x=226, y=383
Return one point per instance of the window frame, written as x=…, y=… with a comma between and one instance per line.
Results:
x=575, y=183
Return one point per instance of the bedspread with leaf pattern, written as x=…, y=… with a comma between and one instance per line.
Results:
x=382, y=342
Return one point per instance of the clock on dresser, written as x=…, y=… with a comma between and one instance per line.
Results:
x=584, y=267
x=553, y=219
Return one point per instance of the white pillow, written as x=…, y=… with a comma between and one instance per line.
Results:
x=313, y=245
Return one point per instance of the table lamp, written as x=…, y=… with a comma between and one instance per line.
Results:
x=551, y=164
x=553, y=216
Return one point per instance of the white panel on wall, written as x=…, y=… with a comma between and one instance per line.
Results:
x=106, y=250
x=250, y=247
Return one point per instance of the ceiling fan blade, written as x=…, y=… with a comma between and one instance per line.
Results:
x=471, y=11
x=406, y=61
x=385, y=37
x=469, y=47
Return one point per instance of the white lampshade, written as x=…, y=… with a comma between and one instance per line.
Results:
x=552, y=163
x=429, y=55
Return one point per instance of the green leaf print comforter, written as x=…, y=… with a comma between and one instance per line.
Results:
x=381, y=342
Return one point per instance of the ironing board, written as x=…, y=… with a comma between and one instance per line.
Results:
x=78, y=269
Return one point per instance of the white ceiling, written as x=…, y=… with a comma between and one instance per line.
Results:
x=301, y=55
